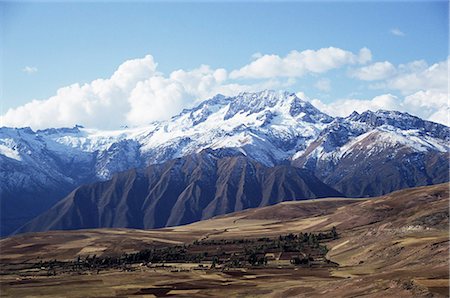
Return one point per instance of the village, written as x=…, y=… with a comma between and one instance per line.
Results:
x=304, y=250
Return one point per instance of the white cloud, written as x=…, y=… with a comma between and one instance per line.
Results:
x=323, y=85
x=344, y=107
x=136, y=93
x=430, y=105
x=297, y=64
x=375, y=71
x=406, y=78
x=396, y=32
x=154, y=99
x=413, y=66
x=135, y=70
x=441, y=116
x=101, y=103
x=418, y=76
x=30, y=69
x=158, y=97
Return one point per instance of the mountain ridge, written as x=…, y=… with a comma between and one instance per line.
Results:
x=376, y=147
x=38, y=168
x=180, y=191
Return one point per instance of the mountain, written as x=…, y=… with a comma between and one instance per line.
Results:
x=364, y=154
x=40, y=167
x=180, y=191
x=35, y=172
x=374, y=153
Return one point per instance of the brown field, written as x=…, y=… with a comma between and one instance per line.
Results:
x=392, y=246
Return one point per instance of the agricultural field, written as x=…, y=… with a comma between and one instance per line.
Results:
x=391, y=246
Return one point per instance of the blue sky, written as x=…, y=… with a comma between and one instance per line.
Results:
x=46, y=46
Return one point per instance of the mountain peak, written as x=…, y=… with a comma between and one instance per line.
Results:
x=266, y=94
x=276, y=102
x=380, y=114
x=265, y=98
x=400, y=120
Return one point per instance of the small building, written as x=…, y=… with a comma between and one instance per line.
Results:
x=273, y=256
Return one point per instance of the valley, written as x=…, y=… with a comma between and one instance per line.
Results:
x=231, y=149
x=395, y=245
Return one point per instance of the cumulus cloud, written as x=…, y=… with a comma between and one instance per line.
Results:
x=135, y=70
x=397, y=32
x=158, y=97
x=154, y=99
x=89, y=104
x=406, y=78
x=344, y=107
x=137, y=93
x=418, y=76
x=297, y=64
x=430, y=105
x=424, y=86
x=100, y=103
x=375, y=71
x=30, y=69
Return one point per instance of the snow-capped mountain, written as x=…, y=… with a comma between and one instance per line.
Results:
x=268, y=126
x=374, y=153
x=37, y=168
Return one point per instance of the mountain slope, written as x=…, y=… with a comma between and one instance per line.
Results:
x=378, y=152
x=40, y=167
x=180, y=191
x=35, y=173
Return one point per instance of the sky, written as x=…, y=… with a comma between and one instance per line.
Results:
x=108, y=64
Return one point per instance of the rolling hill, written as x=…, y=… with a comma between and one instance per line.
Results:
x=395, y=245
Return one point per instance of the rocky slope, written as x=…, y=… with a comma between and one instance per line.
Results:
x=180, y=191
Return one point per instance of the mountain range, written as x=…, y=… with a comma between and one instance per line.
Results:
x=226, y=154
x=180, y=191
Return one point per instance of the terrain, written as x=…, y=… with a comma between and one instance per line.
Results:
x=361, y=155
x=180, y=191
x=395, y=245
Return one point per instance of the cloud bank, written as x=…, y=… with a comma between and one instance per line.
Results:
x=430, y=105
x=297, y=64
x=137, y=93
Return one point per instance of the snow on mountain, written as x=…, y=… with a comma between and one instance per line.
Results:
x=377, y=131
x=355, y=154
x=269, y=127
